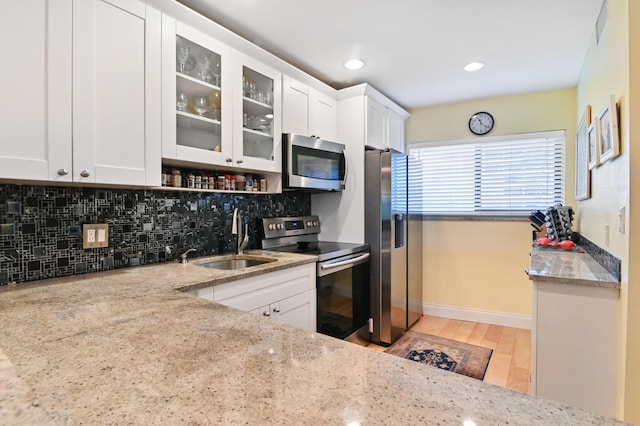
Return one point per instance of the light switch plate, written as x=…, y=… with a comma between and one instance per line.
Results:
x=95, y=235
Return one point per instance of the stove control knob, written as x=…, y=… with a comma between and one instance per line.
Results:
x=279, y=226
x=309, y=223
x=270, y=227
x=315, y=223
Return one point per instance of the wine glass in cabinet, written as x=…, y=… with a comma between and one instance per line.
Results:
x=257, y=121
x=197, y=74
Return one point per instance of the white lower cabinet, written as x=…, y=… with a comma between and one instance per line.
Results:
x=287, y=296
x=574, y=345
x=295, y=310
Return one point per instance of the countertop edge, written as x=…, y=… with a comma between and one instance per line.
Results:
x=575, y=267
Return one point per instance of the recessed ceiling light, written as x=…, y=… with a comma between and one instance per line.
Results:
x=473, y=66
x=354, y=64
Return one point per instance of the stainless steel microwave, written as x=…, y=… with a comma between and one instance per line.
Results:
x=313, y=164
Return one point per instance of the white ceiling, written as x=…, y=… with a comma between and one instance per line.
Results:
x=414, y=50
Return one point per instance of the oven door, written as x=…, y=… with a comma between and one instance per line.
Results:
x=343, y=295
x=313, y=164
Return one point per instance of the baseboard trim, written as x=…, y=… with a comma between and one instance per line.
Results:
x=477, y=315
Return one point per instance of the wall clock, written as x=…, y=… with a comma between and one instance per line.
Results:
x=481, y=123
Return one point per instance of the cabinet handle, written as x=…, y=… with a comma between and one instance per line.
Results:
x=84, y=173
x=63, y=172
x=276, y=310
x=239, y=161
x=266, y=314
x=228, y=160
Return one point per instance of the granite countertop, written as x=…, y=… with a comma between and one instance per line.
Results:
x=124, y=347
x=569, y=267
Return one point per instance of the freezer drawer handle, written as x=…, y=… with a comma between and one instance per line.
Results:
x=345, y=262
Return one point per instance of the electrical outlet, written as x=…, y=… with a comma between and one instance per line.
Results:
x=621, y=219
x=606, y=234
x=95, y=235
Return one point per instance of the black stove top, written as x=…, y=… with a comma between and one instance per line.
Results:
x=325, y=250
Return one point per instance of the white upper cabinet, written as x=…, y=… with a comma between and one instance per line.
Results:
x=35, y=116
x=384, y=126
x=323, y=116
x=116, y=92
x=257, y=107
x=375, y=124
x=220, y=107
x=295, y=106
x=308, y=112
x=196, y=88
x=395, y=131
x=85, y=98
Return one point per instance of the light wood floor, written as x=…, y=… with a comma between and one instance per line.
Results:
x=511, y=358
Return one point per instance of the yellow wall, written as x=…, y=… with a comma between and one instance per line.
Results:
x=606, y=71
x=480, y=264
x=632, y=313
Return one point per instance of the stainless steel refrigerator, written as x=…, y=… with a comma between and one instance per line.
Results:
x=396, y=284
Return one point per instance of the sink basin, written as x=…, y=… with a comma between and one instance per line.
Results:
x=237, y=262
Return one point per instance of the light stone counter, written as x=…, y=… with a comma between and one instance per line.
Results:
x=569, y=267
x=124, y=347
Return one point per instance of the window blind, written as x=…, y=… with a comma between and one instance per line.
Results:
x=504, y=175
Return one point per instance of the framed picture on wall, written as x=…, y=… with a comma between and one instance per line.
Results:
x=609, y=131
x=593, y=138
x=583, y=173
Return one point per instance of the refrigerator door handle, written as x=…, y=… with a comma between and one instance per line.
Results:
x=398, y=232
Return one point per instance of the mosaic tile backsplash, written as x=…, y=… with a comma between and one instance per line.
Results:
x=41, y=226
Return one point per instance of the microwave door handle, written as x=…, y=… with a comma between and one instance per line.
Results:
x=345, y=262
x=346, y=167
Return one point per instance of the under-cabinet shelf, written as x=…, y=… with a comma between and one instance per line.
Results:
x=222, y=191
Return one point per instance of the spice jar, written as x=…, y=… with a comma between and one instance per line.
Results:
x=176, y=178
x=240, y=181
x=220, y=180
x=249, y=182
x=191, y=180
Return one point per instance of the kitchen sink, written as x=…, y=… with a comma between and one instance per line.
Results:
x=237, y=262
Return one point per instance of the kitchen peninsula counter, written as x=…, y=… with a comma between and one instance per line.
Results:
x=125, y=347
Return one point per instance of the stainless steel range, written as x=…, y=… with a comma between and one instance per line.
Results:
x=342, y=272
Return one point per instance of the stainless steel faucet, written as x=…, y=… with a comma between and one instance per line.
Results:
x=236, y=229
x=183, y=256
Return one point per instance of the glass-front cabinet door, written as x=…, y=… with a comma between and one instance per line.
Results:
x=257, y=120
x=197, y=81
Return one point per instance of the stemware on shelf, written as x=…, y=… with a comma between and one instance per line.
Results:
x=205, y=69
x=200, y=104
x=182, y=56
x=182, y=101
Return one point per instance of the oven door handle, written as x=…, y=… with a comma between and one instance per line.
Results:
x=344, y=262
